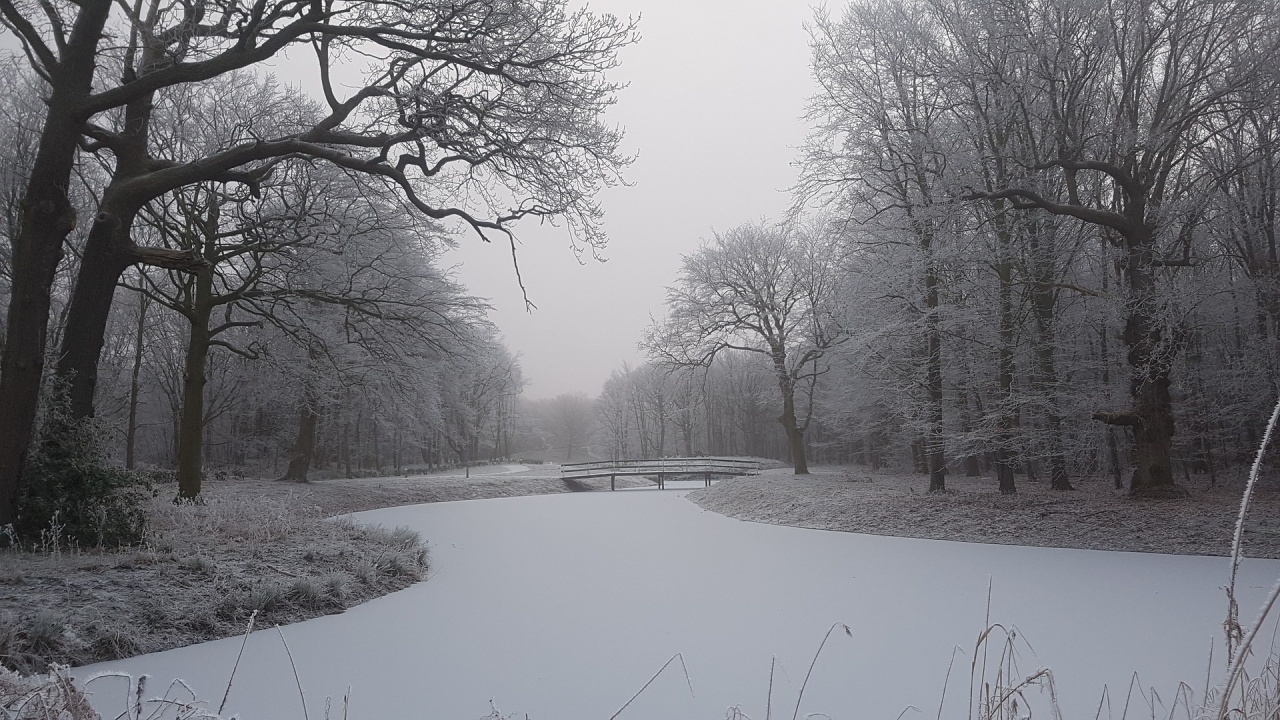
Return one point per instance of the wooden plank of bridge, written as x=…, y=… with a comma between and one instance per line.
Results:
x=708, y=467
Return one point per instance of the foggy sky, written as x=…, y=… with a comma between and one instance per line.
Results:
x=712, y=113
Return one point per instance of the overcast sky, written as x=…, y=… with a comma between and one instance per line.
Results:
x=717, y=88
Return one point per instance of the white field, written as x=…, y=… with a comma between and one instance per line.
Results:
x=562, y=607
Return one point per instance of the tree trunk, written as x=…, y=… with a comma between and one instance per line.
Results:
x=1153, y=438
x=107, y=253
x=109, y=250
x=131, y=433
x=304, y=447
x=359, y=446
x=795, y=436
x=1105, y=350
x=346, y=444
x=933, y=441
x=191, y=429
x=1114, y=452
x=1005, y=367
x=1151, y=359
x=1044, y=301
x=971, y=461
x=47, y=218
x=90, y=307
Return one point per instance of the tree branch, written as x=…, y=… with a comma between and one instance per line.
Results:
x=1126, y=418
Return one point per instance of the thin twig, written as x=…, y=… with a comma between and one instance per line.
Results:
x=1238, y=666
x=655, y=677
x=768, y=704
x=296, y=679
x=814, y=662
x=1232, y=622
x=252, y=616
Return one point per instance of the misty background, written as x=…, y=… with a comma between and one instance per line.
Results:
x=712, y=113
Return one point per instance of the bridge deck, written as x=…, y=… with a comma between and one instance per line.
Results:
x=663, y=468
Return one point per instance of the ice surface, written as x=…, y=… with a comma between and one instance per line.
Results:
x=563, y=606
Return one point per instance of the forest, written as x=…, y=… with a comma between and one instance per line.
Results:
x=206, y=267
x=1005, y=355
x=1029, y=238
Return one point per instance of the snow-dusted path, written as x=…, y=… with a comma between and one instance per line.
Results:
x=561, y=607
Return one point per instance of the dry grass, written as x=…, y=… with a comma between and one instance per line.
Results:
x=205, y=569
x=252, y=545
x=48, y=697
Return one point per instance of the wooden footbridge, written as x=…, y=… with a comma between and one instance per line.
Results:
x=704, y=468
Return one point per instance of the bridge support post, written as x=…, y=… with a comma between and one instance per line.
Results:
x=611, y=487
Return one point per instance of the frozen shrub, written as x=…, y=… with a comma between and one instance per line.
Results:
x=400, y=565
x=157, y=476
x=108, y=642
x=29, y=643
x=72, y=495
x=397, y=537
x=307, y=593
x=199, y=565
x=335, y=586
x=365, y=571
x=264, y=598
x=52, y=696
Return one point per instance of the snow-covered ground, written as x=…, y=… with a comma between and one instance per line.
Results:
x=563, y=606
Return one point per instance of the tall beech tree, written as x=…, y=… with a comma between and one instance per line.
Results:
x=496, y=100
x=766, y=290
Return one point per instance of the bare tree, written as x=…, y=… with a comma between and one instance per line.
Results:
x=480, y=381
x=485, y=99
x=760, y=289
x=881, y=146
x=613, y=414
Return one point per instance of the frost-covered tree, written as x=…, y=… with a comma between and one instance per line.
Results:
x=483, y=112
x=767, y=290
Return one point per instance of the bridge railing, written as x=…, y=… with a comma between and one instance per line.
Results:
x=662, y=468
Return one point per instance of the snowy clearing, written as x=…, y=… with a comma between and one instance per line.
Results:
x=564, y=606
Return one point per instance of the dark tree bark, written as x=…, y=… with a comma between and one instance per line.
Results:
x=346, y=444
x=304, y=446
x=109, y=250
x=1044, y=299
x=1005, y=422
x=795, y=435
x=131, y=432
x=933, y=437
x=191, y=427
x=102, y=266
x=47, y=218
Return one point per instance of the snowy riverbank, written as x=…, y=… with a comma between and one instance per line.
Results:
x=563, y=607
x=252, y=545
x=1094, y=516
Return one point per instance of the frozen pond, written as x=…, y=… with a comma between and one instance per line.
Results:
x=563, y=606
